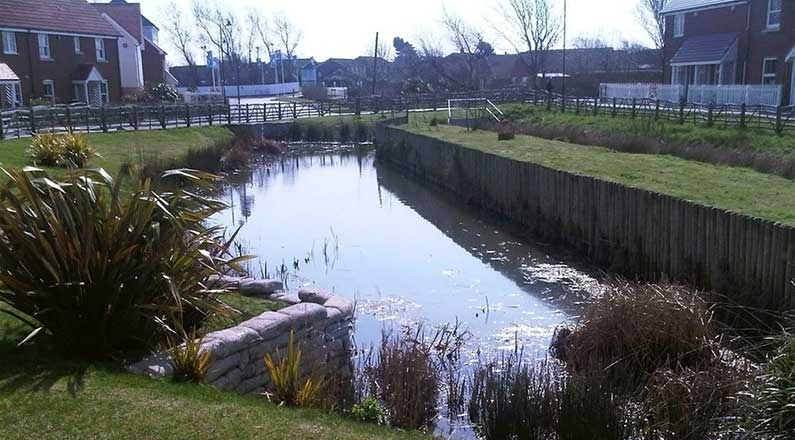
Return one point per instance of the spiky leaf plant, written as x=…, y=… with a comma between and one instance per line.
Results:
x=289, y=387
x=190, y=362
x=103, y=271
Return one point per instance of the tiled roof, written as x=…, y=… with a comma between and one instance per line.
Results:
x=127, y=15
x=148, y=23
x=704, y=49
x=685, y=5
x=6, y=74
x=68, y=16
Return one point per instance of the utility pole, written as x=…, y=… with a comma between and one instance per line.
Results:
x=565, y=23
x=375, y=62
x=221, y=76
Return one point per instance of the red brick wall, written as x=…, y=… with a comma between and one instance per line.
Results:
x=32, y=71
x=154, y=65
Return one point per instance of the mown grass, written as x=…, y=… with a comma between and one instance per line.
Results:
x=129, y=148
x=732, y=188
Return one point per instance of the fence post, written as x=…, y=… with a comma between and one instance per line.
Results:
x=710, y=115
x=248, y=115
x=103, y=119
x=162, y=117
x=742, y=115
x=577, y=108
x=535, y=98
x=563, y=103
x=779, y=125
x=549, y=102
x=295, y=110
x=656, y=109
x=33, y=128
x=228, y=113
x=280, y=110
x=682, y=111
x=187, y=115
x=614, y=110
x=358, y=109
x=2, y=134
x=135, y=117
x=634, y=107
x=210, y=114
x=596, y=106
x=68, y=117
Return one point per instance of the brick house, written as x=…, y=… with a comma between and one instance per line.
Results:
x=727, y=42
x=142, y=61
x=59, y=50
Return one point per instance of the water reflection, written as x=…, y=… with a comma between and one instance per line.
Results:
x=406, y=252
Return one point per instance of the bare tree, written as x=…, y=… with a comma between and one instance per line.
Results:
x=468, y=43
x=258, y=26
x=180, y=32
x=532, y=27
x=287, y=34
x=650, y=15
x=219, y=27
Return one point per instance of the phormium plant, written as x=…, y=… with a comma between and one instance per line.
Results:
x=103, y=271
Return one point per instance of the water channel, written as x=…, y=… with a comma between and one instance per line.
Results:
x=405, y=251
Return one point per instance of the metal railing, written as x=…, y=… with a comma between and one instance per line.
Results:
x=698, y=94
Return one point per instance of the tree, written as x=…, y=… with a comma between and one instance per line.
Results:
x=468, y=42
x=180, y=32
x=220, y=28
x=532, y=28
x=650, y=15
x=259, y=27
x=288, y=35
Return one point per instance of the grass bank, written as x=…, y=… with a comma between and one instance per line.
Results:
x=762, y=150
x=732, y=188
x=130, y=148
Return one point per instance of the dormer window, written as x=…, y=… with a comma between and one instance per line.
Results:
x=44, y=47
x=679, y=25
x=101, y=55
x=774, y=14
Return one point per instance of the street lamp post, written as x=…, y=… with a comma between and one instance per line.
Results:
x=565, y=23
x=237, y=62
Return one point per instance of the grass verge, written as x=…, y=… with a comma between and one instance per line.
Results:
x=732, y=188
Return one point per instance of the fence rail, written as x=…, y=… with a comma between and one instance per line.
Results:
x=24, y=122
x=698, y=94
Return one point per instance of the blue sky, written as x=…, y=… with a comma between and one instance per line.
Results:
x=346, y=28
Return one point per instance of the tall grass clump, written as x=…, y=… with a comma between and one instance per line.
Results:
x=101, y=271
x=46, y=149
x=773, y=415
x=289, y=386
x=632, y=330
x=77, y=151
x=189, y=361
x=71, y=150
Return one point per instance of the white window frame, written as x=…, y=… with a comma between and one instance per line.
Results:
x=774, y=13
x=99, y=43
x=765, y=75
x=10, y=43
x=78, y=46
x=48, y=83
x=104, y=92
x=45, y=51
x=679, y=25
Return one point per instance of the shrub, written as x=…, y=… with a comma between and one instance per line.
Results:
x=505, y=132
x=289, y=387
x=632, y=330
x=434, y=122
x=46, y=149
x=161, y=92
x=189, y=361
x=369, y=411
x=77, y=152
x=102, y=272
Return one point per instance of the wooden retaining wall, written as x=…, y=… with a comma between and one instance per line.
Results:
x=627, y=230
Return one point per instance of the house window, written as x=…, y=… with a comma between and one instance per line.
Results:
x=9, y=43
x=679, y=25
x=49, y=89
x=769, y=66
x=103, y=91
x=44, y=47
x=679, y=75
x=774, y=14
x=101, y=55
x=78, y=48
x=10, y=95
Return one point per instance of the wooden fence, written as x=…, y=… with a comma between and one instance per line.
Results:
x=23, y=122
x=628, y=230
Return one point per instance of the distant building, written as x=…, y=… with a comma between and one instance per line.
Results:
x=57, y=50
x=726, y=42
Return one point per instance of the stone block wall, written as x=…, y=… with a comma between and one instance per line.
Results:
x=322, y=324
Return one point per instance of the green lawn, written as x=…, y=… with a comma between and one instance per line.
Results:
x=133, y=148
x=671, y=132
x=733, y=188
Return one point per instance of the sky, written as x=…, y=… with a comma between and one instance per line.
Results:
x=346, y=28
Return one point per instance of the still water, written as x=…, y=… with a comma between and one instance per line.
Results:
x=406, y=252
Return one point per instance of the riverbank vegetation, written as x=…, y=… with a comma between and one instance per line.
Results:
x=732, y=188
x=759, y=149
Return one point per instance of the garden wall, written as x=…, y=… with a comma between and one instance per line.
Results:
x=628, y=230
x=322, y=324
